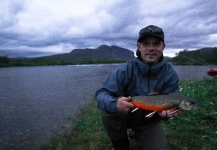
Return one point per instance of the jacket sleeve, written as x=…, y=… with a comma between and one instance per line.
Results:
x=171, y=82
x=111, y=89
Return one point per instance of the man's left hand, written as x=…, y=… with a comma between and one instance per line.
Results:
x=170, y=113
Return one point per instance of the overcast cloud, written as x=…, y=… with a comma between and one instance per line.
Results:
x=54, y=26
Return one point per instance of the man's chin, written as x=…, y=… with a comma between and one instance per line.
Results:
x=151, y=60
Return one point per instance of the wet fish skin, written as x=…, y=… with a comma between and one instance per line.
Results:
x=165, y=101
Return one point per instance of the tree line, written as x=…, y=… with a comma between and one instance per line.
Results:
x=196, y=57
x=12, y=62
x=185, y=57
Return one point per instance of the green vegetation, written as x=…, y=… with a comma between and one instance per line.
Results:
x=4, y=61
x=196, y=57
x=7, y=62
x=185, y=57
x=196, y=130
x=193, y=130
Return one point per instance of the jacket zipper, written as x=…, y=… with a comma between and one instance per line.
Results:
x=149, y=79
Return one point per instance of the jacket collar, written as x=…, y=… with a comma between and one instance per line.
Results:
x=150, y=66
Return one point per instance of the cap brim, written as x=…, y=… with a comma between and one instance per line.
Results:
x=139, y=39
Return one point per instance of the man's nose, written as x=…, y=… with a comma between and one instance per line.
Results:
x=151, y=47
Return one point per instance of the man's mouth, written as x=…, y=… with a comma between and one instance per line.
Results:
x=151, y=54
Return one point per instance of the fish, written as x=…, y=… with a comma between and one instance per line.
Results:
x=158, y=103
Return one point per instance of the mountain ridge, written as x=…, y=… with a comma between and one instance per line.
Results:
x=102, y=52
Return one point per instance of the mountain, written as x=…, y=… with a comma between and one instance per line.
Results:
x=203, y=56
x=23, y=53
x=167, y=58
x=206, y=49
x=102, y=52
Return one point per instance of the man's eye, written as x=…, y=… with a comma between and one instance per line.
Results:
x=145, y=43
x=157, y=44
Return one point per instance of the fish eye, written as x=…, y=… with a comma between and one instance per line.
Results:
x=187, y=103
x=193, y=103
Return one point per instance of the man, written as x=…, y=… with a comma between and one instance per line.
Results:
x=148, y=73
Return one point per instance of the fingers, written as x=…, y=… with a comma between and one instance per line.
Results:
x=170, y=113
x=124, y=105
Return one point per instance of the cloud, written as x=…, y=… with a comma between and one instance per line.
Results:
x=61, y=26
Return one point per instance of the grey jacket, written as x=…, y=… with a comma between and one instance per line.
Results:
x=135, y=78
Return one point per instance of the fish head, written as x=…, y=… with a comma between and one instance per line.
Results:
x=187, y=105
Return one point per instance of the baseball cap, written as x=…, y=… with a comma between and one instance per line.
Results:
x=151, y=30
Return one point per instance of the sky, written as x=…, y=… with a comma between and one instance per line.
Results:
x=29, y=28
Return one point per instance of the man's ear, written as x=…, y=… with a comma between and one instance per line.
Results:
x=164, y=46
x=138, y=45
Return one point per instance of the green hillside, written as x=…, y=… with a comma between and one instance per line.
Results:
x=204, y=56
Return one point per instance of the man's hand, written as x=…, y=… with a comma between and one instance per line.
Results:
x=170, y=113
x=124, y=105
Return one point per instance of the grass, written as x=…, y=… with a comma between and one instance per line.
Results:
x=196, y=130
x=193, y=130
x=86, y=134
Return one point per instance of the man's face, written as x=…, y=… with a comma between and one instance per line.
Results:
x=151, y=48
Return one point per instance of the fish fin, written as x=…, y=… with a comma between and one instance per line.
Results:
x=150, y=114
x=134, y=110
x=174, y=111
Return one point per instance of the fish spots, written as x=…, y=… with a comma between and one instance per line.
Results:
x=161, y=102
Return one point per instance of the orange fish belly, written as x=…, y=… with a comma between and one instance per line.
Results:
x=145, y=106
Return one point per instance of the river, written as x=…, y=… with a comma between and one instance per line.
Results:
x=36, y=102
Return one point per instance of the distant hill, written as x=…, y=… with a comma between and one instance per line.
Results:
x=102, y=52
x=24, y=54
x=204, y=56
x=168, y=58
x=206, y=49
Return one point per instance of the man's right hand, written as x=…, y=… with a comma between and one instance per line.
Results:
x=124, y=105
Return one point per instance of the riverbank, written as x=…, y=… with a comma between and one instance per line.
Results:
x=6, y=62
x=192, y=130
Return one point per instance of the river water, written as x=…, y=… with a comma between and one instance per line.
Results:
x=36, y=102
